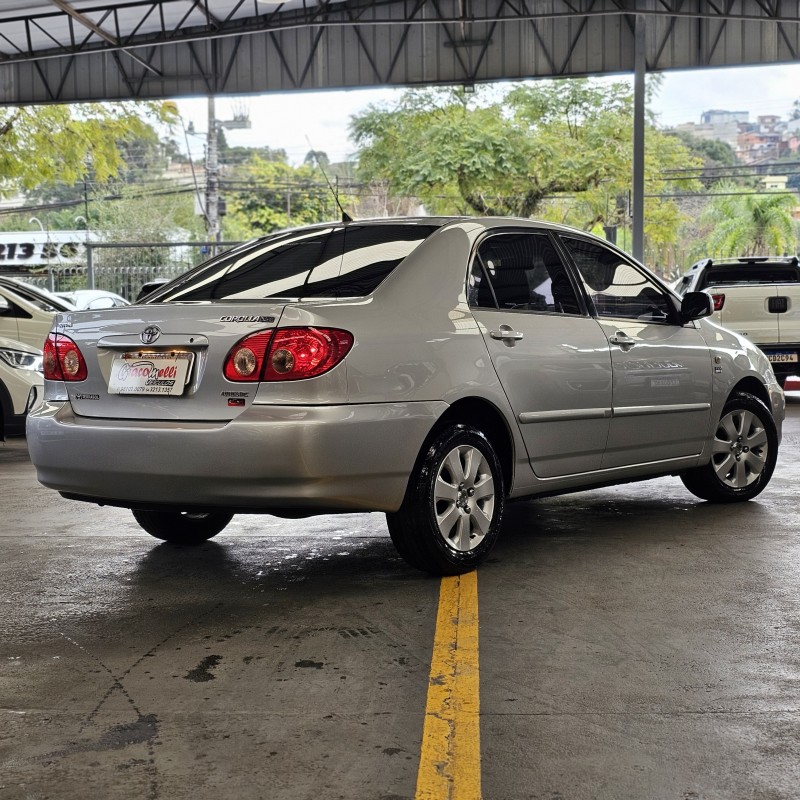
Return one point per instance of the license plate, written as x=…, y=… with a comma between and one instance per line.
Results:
x=150, y=373
x=782, y=358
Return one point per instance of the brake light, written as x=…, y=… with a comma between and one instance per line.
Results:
x=287, y=354
x=719, y=301
x=245, y=361
x=63, y=360
x=298, y=353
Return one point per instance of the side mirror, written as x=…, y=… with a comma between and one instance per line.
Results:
x=696, y=305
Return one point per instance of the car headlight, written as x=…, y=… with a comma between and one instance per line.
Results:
x=21, y=360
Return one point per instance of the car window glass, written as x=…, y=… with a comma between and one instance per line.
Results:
x=617, y=288
x=749, y=273
x=335, y=261
x=521, y=271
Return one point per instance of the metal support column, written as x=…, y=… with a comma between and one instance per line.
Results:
x=640, y=64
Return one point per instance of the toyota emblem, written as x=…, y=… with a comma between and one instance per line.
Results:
x=150, y=334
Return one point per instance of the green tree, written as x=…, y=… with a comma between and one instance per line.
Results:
x=265, y=196
x=61, y=144
x=751, y=224
x=475, y=153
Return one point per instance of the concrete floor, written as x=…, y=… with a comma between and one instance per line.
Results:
x=634, y=645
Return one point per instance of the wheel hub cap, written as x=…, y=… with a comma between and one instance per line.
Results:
x=740, y=449
x=464, y=498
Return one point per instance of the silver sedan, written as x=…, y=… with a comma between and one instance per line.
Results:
x=429, y=368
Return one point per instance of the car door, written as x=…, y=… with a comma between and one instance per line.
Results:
x=551, y=357
x=662, y=369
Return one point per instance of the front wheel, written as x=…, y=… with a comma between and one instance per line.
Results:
x=743, y=456
x=451, y=514
x=181, y=527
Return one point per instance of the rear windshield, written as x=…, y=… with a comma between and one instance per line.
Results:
x=749, y=273
x=335, y=261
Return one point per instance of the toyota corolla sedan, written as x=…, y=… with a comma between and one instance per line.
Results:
x=432, y=369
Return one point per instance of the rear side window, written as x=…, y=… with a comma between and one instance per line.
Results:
x=756, y=273
x=521, y=271
x=335, y=261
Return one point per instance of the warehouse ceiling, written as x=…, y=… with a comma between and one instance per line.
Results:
x=81, y=50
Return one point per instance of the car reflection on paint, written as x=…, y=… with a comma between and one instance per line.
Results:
x=430, y=368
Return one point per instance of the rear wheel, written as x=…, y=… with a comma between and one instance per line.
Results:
x=744, y=452
x=181, y=527
x=452, y=511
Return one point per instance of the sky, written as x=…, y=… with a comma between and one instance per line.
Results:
x=289, y=121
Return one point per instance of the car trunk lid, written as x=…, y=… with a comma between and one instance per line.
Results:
x=164, y=361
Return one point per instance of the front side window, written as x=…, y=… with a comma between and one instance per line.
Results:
x=335, y=261
x=616, y=287
x=521, y=271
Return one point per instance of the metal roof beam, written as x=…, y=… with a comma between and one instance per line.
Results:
x=96, y=29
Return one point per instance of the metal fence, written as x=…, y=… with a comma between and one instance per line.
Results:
x=125, y=268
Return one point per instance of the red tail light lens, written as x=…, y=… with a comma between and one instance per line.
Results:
x=63, y=361
x=287, y=354
x=298, y=353
x=245, y=361
x=719, y=301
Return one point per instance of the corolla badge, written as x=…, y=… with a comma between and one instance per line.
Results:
x=150, y=334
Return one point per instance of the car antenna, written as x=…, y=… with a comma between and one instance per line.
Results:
x=346, y=218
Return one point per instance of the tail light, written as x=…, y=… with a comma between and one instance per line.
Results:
x=63, y=360
x=719, y=301
x=245, y=361
x=287, y=354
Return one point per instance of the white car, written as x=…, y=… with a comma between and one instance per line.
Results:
x=27, y=312
x=93, y=299
x=21, y=384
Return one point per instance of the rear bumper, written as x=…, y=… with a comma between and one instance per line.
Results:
x=314, y=458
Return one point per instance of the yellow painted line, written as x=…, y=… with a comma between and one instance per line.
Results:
x=450, y=759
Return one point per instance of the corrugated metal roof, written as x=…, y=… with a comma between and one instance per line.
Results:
x=64, y=50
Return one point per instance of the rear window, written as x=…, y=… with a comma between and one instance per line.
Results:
x=336, y=261
x=749, y=273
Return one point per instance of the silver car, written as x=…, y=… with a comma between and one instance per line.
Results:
x=429, y=368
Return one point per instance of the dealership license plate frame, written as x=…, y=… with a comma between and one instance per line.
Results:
x=132, y=373
x=783, y=357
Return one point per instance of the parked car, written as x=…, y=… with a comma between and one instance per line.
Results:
x=94, y=299
x=21, y=384
x=26, y=312
x=758, y=297
x=429, y=368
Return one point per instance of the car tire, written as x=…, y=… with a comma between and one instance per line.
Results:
x=744, y=452
x=453, y=508
x=182, y=527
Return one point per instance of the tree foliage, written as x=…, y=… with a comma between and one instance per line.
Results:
x=267, y=195
x=474, y=153
x=46, y=145
x=751, y=224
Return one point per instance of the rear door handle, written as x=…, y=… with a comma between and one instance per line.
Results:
x=622, y=340
x=506, y=334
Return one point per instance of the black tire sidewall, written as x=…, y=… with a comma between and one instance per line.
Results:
x=177, y=528
x=448, y=440
x=707, y=484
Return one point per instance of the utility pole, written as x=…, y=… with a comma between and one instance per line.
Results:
x=212, y=178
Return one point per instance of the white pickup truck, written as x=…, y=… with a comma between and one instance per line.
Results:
x=758, y=297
